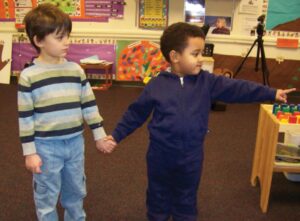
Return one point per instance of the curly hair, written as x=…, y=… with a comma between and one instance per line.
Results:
x=175, y=37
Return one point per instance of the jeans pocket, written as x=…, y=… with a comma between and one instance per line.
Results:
x=84, y=185
x=39, y=188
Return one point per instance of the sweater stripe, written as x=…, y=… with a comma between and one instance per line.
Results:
x=94, y=126
x=57, y=107
x=88, y=104
x=23, y=114
x=56, y=80
x=56, y=72
x=22, y=88
x=56, y=100
x=59, y=132
x=27, y=139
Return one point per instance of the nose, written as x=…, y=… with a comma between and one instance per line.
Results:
x=66, y=40
x=200, y=57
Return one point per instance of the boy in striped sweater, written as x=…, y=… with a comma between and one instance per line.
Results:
x=54, y=97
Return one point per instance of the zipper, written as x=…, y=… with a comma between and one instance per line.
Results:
x=182, y=110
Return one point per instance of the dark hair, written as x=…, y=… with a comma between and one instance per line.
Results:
x=44, y=20
x=175, y=37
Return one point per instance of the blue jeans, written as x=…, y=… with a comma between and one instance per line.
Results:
x=62, y=175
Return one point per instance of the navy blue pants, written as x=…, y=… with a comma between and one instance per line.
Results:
x=173, y=180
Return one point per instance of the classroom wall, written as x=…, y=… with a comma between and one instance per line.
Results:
x=117, y=28
x=126, y=28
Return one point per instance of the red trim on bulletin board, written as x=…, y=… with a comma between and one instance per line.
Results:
x=287, y=43
x=19, y=26
x=82, y=7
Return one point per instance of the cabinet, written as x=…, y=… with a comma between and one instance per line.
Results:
x=107, y=67
x=264, y=164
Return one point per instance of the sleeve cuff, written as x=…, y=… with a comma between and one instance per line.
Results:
x=28, y=148
x=116, y=137
x=99, y=133
x=274, y=94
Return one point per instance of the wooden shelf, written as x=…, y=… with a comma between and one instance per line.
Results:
x=265, y=150
x=107, y=67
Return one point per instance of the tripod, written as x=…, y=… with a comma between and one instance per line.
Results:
x=260, y=51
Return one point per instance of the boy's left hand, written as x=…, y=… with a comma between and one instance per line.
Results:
x=281, y=95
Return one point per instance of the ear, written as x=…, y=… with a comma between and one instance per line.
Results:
x=174, y=56
x=37, y=42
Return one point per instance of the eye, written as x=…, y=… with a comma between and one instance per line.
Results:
x=60, y=37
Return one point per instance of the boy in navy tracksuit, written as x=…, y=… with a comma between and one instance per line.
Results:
x=180, y=102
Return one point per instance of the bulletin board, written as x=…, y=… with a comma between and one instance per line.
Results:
x=133, y=60
x=153, y=14
x=79, y=10
x=7, y=10
x=288, y=21
x=80, y=48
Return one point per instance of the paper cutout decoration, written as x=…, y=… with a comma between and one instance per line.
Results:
x=138, y=60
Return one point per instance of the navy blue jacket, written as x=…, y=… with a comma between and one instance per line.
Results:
x=180, y=112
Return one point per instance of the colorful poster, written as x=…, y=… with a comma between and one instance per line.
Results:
x=285, y=25
x=153, y=14
x=71, y=7
x=23, y=52
x=289, y=19
x=107, y=8
x=137, y=60
x=5, y=57
x=7, y=10
x=22, y=7
x=79, y=10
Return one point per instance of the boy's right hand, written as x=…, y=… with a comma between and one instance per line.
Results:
x=33, y=163
x=106, y=145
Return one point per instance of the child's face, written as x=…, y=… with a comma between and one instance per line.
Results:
x=54, y=46
x=220, y=23
x=190, y=60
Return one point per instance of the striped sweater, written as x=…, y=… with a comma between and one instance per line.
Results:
x=53, y=100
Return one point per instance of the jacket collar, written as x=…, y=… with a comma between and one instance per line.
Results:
x=172, y=75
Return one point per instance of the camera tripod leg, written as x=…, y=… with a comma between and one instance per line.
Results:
x=257, y=56
x=241, y=65
x=264, y=67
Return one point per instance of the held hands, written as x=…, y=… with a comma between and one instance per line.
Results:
x=33, y=163
x=281, y=95
x=106, y=144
